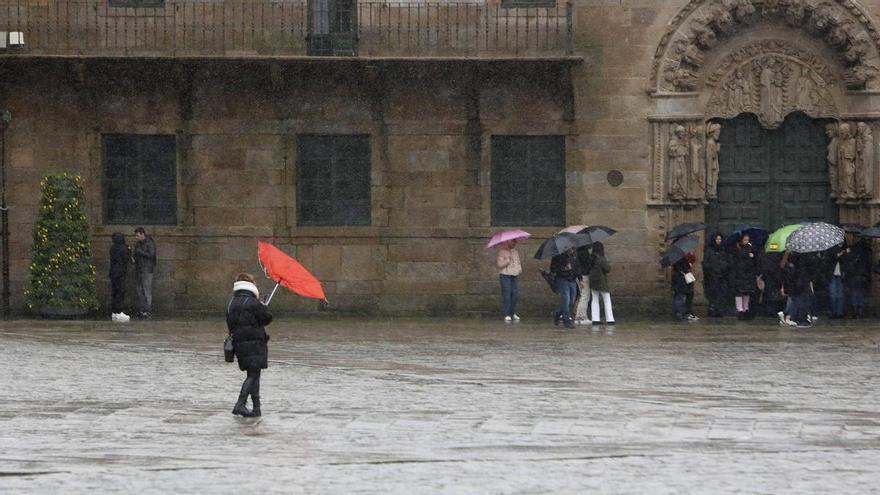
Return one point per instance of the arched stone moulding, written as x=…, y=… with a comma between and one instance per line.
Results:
x=702, y=26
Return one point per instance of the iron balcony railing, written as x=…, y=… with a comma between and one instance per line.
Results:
x=283, y=28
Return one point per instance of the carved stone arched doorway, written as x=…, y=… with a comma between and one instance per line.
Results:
x=772, y=177
x=782, y=73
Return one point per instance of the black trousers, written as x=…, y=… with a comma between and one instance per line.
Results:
x=117, y=294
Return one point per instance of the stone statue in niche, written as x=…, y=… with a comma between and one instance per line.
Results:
x=805, y=90
x=772, y=92
x=713, y=148
x=739, y=92
x=864, y=158
x=698, y=171
x=833, y=152
x=846, y=161
x=678, y=153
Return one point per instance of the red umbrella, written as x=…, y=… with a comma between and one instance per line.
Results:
x=286, y=271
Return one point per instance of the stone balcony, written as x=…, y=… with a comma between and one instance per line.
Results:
x=285, y=29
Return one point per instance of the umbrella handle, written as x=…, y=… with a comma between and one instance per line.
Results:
x=272, y=294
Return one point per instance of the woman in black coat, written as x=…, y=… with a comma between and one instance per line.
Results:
x=245, y=317
x=682, y=292
x=716, y=265
x=743, y=275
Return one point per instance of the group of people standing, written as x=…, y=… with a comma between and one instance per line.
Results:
x=578, y=275
x=143, y=256
x=794, y=287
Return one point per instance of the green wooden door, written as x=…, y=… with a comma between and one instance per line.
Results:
x=772, y=177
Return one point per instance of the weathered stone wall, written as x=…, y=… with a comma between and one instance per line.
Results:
x=431, y=125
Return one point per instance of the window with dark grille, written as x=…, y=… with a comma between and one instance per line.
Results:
x=333, y=27
x=140, y=179
x=528, y=180
x=333, y=180
x=510, y=4
x=137, y=3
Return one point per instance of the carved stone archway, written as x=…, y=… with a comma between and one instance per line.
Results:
x=702, y=26
x=721, y=58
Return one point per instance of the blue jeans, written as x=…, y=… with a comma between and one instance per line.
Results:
x=679, y=305
x=567, y=294
x=509, y=293
x=835, y=296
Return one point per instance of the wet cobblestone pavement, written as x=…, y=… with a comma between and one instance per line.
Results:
x=443, y=406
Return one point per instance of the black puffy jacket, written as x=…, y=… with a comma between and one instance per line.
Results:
x=245, y=318
x=716, y=266
x=118, y=256
x=679, y=284
x=744, y=272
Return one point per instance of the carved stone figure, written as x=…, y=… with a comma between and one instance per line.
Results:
x=713, y=148
x=684, y=79
x=823, y=19
x=739, y=92
x=846, y=161
x=678, y=152
x=833, y=152
x=694, y=56
x=698, y=170
x=772, y=93
x=794, y=12
x=721, y=19
x=805, y=90
x=704, y=36
x=859, y=76
x=864, y=158
x=838, y=35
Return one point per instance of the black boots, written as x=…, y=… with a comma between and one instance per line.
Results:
x=256, y=400
x=240, y=408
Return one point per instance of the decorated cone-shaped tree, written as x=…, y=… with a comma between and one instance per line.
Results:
x=62, y=273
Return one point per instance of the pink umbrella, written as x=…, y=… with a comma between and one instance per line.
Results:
x=507, y=235
x=574, y=229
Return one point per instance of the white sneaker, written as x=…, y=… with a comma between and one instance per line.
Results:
x=790, y=322
x=114, y=316
x=692, y=318
x=516, y=318
x=122, y=317
x=815, y=318
x=508, y=319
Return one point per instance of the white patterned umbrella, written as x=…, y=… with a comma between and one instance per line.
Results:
x=814, y=237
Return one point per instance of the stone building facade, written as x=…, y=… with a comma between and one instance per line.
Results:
x=728, y=111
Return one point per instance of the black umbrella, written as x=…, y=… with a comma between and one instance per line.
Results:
x=872, y=232
x=679, y=250
x=684, y=229
x=550, y=278
x=561, y=243
x=598, y=233
x=852, y=228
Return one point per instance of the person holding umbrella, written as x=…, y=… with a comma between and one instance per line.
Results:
x=567, y=271
x=743, y=276
x=509, y=267
x=246, y=318
x=798, y=288
x=598, y=274
x=682, y=276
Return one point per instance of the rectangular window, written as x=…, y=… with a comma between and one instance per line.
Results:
x=332, y=27
x=140, y=179
x=528, y=180
x=511, y=4
x=333, y=180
